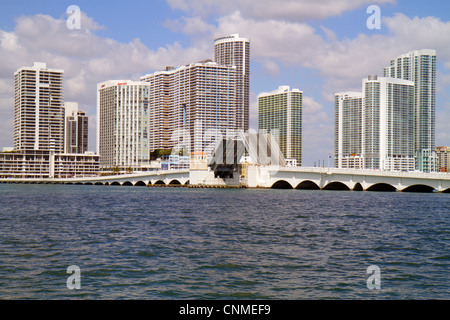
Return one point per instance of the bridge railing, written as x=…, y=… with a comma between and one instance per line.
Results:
x=325, y=170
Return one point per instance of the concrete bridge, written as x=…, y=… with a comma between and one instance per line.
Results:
x=275, y=177
x=346, y=179
x=153, y=178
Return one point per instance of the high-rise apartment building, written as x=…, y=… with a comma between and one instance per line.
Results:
x=348, y=130
x=123, y=124
x=187, y=108
x=45, y=145
x=76, y=129
x=419, y=66
x=280, y=113
x=192, y=106
x=234, y=50
x=39, y=108
x=375, y=129
x=388, y=124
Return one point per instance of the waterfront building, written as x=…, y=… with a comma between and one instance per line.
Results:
x=348, y=134
x=280, y=113
x=50, y=137
x=234, y=50
x=443, y=159
x=388, y=124
x=419, y=66
x=192, y=106
x=375, y=129
x=76, y=129
x=39, y=108
x=176, y=162
x=188, y=108
x=123, y=113
x=47, y=164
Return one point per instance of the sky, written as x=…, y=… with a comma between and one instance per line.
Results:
x=320, y=47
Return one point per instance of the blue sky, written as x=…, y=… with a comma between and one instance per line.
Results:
x=319, y=47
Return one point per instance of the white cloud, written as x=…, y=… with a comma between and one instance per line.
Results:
x=313, y=112
x=289, y=10
x=189, y=25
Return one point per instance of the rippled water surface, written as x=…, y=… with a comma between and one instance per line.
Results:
x=185, y=243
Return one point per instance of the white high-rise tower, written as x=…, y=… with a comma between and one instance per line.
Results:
x=375, y=129
x=235, y=51
x=39, y=108
x=419, y=66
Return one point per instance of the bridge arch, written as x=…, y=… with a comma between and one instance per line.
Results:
x=383, y=187
x=98, y=183
x=358, y=187
x=174, y=182
x=140, y=184
x=159, y=183
x=282, y=184
x=114, y=183
x=336, y=185
x=419, y=188
x=308, y=184
x=127, y=183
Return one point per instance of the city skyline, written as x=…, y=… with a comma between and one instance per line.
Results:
x=304, y=47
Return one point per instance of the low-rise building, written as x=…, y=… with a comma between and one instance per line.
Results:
x=443, y=159
x=47, y=164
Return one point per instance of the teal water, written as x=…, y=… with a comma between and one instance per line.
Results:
x=185, y=243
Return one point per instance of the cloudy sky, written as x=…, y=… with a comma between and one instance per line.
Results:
x=320, y=47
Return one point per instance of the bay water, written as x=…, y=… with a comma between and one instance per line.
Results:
x=194, y=243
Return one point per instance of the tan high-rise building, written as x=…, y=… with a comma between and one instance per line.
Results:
x=39, y=108
x=76, y=129
x=235, y=51
x=191, y=106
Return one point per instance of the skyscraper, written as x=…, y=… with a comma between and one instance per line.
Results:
x=348, y=130
x=123, y=124
x=235, y=51
x=419, y=66
x=76, y=129
x=192, y=105
x=280, y=113
x=375, y=129
x=186, y=108
x=40, y=148
x=39, y=108
x=388, y=129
